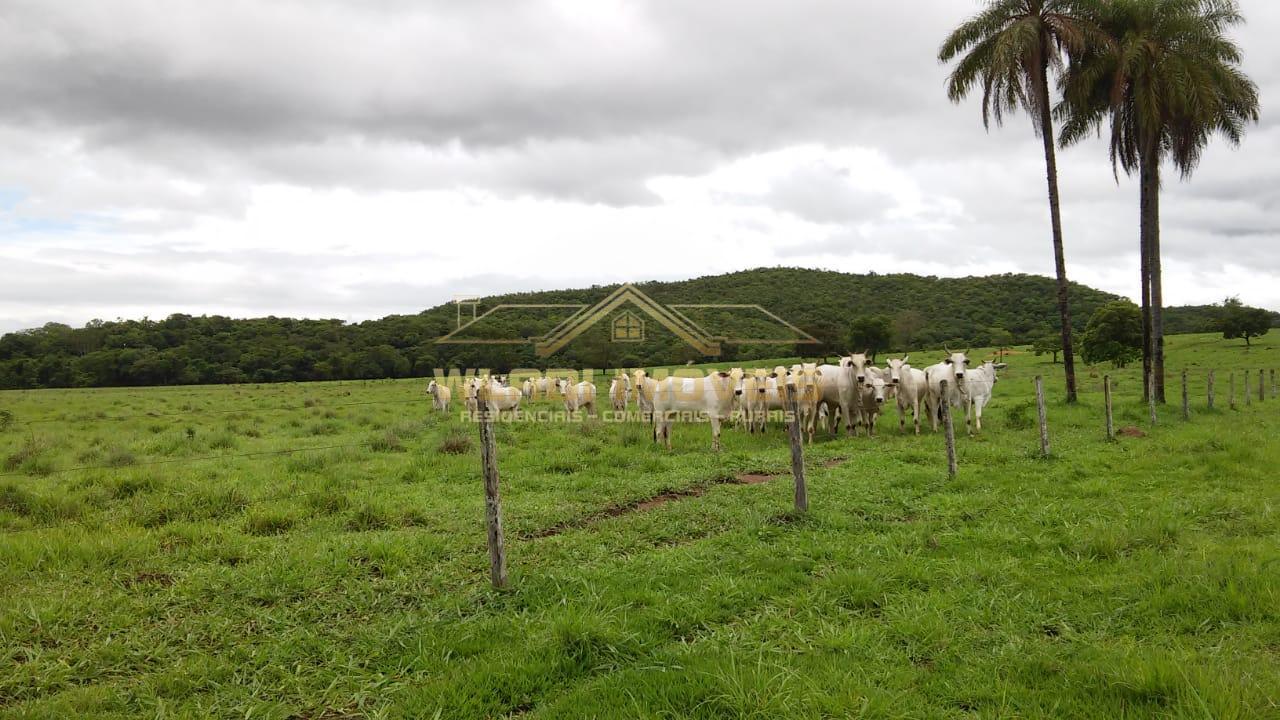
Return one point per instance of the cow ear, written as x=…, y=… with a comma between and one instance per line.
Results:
x=947, y=361
x=724, y=374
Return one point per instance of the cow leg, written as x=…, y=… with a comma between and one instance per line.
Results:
x=715, y=433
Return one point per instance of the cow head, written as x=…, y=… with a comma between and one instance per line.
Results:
x=431, y=387
x=856, y=363
x=990, y=368
x=875, y=385
x=959, y=361
x=807, y=378
x=896, y=368
x=761, y=376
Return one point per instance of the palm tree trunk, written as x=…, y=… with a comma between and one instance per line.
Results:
x=1150, y=231
x=1144, y=259
x=1055, y=218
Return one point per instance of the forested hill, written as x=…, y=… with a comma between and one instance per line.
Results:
x=922, y=311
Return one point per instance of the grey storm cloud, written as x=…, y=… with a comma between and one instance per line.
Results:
x=146, y=116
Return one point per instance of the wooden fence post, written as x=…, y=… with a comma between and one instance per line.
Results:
x=1273, y=384
x=797, y=447
x=949, y=430
x=1151, y=398
x=1232, y=402
x=1262, y=390
x=1106, y=398
x=1044, y=417
x=1186, y=401
x=1248, y=399
x=1210, y=389
x=492, y=500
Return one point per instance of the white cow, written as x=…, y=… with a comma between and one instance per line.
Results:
x=910, y=387
x=853, y=373
x=711, y=395
x=808, y=395
x=496, y=398
x=953, y=370
x=645, y=387
x=441, y=395
x=871, y=398
x=754, y=400
x=978, y=384
x=832, y=394
x=580, y=396
x=470, y=388
x=620, y=391
x=527, y=388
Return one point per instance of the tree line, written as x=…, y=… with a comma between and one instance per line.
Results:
x=843, y=311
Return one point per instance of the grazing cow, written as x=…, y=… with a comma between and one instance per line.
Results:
x=582, y=395
x=441, y=395
x=711, y=395
x=978, y=384
x=871, y=398
x=909, y=385
x=953, y=369
x=620, y=391
x=497, y=398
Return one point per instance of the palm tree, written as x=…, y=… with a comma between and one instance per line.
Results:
x=1008, y=49
x=1165, y=80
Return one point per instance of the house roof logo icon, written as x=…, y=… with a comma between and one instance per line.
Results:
x=640, y=306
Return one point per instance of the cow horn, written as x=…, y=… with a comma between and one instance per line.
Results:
x=946, y=349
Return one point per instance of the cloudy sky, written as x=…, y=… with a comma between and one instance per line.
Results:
x=356, y=158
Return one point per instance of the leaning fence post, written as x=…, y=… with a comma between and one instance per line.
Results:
x=1151, y=398
x=1186, y=401
x=1248, y=399
x=797, y=447
x=1210, y=389
x=1232, y=401
x=950, y=432
x=1044, y=417
x=1106, y=398
x=492, y=500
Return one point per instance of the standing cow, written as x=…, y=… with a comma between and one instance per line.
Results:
x=978, y=385
x=909, y=386
x=711, y=395
x=871, y=398
x=953, y=370
x=440, y=394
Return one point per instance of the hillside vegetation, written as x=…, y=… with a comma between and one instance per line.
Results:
x=168, y=553
x=182, y=349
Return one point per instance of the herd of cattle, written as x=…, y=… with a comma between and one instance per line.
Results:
x=853, y=393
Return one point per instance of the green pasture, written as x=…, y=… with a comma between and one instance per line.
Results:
x=318, y=551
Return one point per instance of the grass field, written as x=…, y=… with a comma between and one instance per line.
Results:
x=182, y=575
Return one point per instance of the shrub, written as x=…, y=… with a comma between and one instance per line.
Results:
x=388, y=441
x=119, y=457
x=455, y=444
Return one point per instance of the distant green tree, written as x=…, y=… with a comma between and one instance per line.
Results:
x=906, y=326
x=1000, y=339
x=870, y=334
x=1050, y=344
x=1114, y=334
x=1237, y=320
